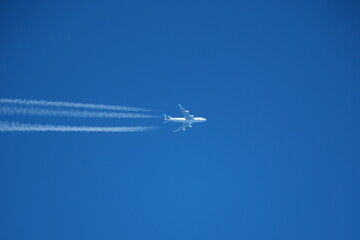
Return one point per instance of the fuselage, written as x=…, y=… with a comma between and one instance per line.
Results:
x=189, y=121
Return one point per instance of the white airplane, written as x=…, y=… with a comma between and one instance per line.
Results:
x=186, y=121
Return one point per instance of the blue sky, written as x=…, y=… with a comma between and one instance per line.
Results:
x=278, y=157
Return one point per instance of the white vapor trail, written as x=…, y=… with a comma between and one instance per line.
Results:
x=20, y=127
x=70, y=113
x=44, y=103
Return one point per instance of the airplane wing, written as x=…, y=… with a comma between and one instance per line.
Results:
x=186, y=113
x=182, y=127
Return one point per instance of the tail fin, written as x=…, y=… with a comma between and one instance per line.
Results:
x=166, y=118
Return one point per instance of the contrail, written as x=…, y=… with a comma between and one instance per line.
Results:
x=70, y=113
x=20, y=127
x=44, y=103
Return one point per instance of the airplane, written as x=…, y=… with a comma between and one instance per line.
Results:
x=186, y=121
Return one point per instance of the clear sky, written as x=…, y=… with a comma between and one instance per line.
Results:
x=278, y=158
